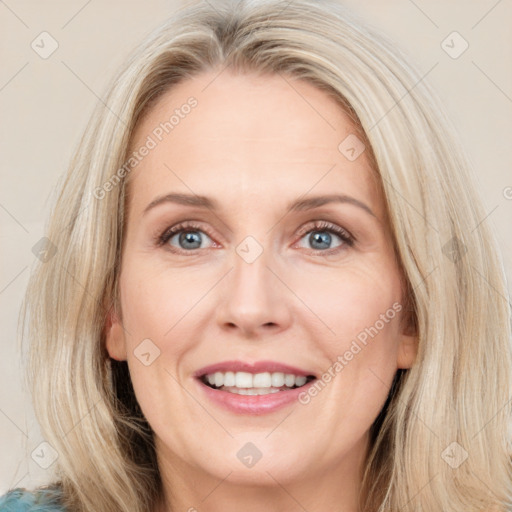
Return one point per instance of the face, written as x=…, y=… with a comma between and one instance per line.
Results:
x=249, y=279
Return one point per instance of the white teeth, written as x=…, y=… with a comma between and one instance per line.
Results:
x=289, y=380
x=300, y=381
x=243, y=380
x=277, y=380
x=251, y=382
x=229, y=379
x=261, y=380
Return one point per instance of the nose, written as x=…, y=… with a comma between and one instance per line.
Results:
x=254, y=299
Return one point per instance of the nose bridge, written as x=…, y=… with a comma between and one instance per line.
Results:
x=253, y=297
x=250, y=268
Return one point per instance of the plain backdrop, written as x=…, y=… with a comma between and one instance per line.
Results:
x=46, y=102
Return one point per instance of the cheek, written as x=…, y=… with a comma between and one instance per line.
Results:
x=350, y=300
x=362, y=309
x=155, y=306
x=156, y=302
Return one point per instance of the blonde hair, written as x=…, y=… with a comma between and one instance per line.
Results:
x=458, y=391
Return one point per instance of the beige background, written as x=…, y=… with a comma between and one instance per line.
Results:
x=45, y=104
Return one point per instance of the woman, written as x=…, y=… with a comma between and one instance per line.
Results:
x=337, y=335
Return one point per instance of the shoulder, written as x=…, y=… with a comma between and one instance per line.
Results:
x=39, y=500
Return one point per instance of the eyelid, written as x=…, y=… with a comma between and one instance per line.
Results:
x=325, y=225
x=322, y=225
x=161, y=238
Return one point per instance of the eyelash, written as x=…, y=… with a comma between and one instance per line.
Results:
x=348, y=240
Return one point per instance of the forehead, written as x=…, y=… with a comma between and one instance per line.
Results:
x=247, y=134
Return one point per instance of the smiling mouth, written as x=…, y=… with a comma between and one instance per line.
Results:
x=244, y=383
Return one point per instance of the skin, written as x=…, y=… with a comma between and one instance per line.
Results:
x=255, y=143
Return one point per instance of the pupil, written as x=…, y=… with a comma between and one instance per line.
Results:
x=189, y=238
x=321, y=237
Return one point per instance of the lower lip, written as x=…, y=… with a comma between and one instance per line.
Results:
x=253, y=404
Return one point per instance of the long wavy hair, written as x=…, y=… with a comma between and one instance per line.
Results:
x=442, y=440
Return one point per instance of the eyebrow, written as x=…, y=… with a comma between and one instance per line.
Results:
x=294, y=206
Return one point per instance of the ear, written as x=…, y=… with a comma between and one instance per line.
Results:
x=408, y=329
x=407, y=351
x=409, y=340
x=114, y=336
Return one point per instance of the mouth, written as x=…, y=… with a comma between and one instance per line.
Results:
x=246, y=383
x=253, y=387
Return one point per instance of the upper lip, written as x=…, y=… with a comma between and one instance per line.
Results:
x=254, y=367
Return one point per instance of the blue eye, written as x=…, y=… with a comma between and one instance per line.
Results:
x=321, y=235
x=321, y=239
x=190, y=237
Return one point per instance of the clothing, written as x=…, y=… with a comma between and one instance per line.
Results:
x=39, y=500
